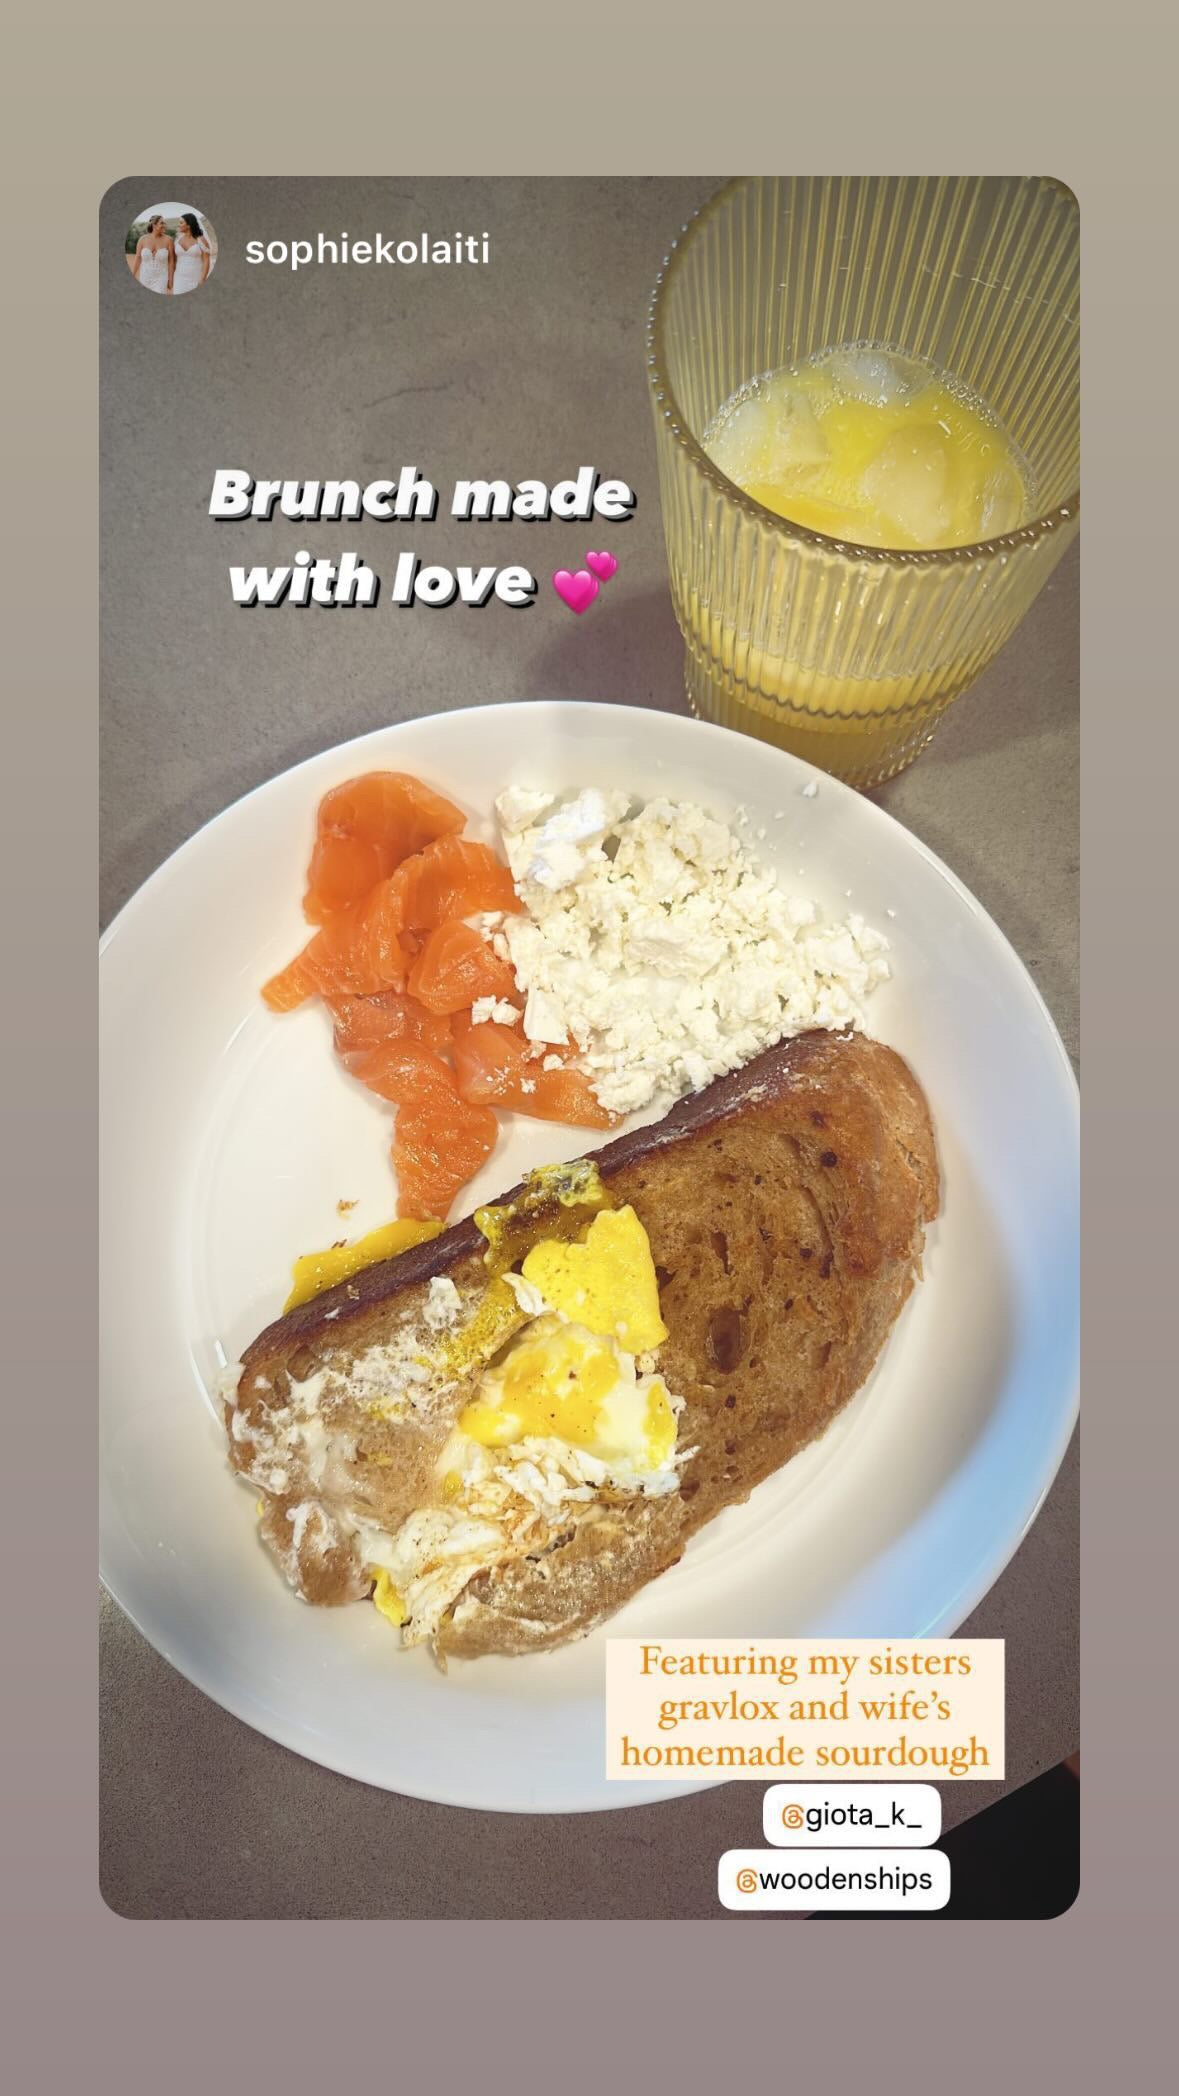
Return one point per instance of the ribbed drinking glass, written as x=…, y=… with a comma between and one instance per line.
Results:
x=846, y=654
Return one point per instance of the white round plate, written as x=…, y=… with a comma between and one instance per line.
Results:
x=230, y=1135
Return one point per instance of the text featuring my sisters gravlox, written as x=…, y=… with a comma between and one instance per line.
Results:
x=852, y=1710
x=346, y=580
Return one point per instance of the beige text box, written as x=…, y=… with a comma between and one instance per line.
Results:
x=849, y=1710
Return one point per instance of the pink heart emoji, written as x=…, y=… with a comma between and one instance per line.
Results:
x=603, y=564
x=577, y=591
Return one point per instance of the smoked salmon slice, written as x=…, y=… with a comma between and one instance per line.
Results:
x=439, y=1138
x=364, y=829
x=362, y=950
x=494, y=1068
x=453, y=877
x=365, y=1022
x=436, y=1149
x=402, y=1071
x=455, y=966
x=357, y=955
x=392, y=886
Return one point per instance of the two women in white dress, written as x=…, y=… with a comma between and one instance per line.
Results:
x=172, y=265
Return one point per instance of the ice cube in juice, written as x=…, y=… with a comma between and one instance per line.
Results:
x=874, y=448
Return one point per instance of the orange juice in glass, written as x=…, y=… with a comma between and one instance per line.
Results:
x=866, y=410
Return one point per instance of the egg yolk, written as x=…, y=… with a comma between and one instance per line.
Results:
x=571, y=1374
x=316, y=1271
x=386, y=1599
x=552, y=1382
x=662, y=1427
x=607, y=1283
x=561, y=1381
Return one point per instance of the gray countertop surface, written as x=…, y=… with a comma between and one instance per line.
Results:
x=532, y=365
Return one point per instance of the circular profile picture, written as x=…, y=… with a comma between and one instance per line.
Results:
x=171, y=248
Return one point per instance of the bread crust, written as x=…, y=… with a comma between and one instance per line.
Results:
x=786, y=1207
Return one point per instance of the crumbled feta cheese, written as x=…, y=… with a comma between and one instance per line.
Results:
x=519, y=806
x=496, y=1008
x=665, y=951
x=485, y=922
x=552, y=854
x=810, y=789
x=543, y=1018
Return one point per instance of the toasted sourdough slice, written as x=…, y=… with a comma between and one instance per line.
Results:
x=786, y=1208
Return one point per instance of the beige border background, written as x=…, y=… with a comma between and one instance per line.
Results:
x=170, y=2004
